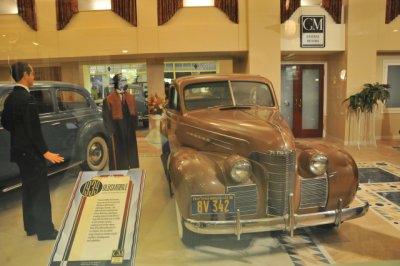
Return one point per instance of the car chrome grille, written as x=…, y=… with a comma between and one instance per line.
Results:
x=280, y=173
x=245, y=198
x=314, y=192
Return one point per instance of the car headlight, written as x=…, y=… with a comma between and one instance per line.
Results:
x=318, y=164
x=240, y=168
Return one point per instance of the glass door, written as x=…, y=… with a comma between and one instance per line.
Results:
x=302, y=99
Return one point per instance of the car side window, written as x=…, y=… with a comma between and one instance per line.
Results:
x=252, y=93
x=43, y=100
x=2, y=100
x=207, y=95
x=71, y=100
x=173, y=99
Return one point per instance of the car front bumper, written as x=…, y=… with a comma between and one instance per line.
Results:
x=288, y=222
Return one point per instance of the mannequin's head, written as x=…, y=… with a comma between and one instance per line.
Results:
x=120, y=83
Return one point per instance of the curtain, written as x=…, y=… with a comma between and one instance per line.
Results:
x=65, y=9
x=392, y=10
x=229, y=7
x=334, y=8
x=26, y=9
x=288, y=7
x=125, y=9
x=166, y=9
x=48, y=73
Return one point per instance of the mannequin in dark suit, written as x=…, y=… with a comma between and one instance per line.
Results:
x=28, y=149
x=120, y=120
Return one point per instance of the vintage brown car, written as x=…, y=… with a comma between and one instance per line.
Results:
x=235, y=166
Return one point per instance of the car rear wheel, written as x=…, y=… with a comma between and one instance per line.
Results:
x=96, y=154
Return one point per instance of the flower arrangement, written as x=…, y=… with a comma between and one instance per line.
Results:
x=156, y=104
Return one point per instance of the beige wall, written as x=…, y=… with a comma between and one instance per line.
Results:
x=264, y=41
x=98, y=33
x=366, y=36
x=5, y=74
x=71, y=73
x=336, y=94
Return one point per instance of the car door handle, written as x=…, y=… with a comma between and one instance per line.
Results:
x=56, y=124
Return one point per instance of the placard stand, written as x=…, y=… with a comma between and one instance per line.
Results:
x=101, y=223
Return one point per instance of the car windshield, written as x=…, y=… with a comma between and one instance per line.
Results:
x=217, y=94
x=252, y=93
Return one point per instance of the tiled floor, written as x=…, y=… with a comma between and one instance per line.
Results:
x=374, y=238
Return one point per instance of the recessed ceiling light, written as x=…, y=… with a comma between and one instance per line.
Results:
x=395, y=30
x=124, y=51
x=35, y=43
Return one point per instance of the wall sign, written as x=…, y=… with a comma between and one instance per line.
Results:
x=312, y=34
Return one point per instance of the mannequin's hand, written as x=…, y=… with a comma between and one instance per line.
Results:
x=53, y=157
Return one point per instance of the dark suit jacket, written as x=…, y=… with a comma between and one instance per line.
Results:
x=21, y=118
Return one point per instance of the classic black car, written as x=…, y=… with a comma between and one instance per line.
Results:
x=72, y=126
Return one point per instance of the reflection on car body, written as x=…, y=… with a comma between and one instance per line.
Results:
x=72, y=126
x=236, y=168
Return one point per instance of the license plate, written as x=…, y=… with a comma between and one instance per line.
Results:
x=212, y=204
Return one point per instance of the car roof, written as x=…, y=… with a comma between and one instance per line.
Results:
x=183, y=81
x=44, y=84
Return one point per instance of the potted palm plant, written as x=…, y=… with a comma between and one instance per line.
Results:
x=362, y=106
x=368, y=98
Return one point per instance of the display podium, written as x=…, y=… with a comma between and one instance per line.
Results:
x=101, y=222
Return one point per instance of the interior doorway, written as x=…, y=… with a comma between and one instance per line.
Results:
x=302, y=101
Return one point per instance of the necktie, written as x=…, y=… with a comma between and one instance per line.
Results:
x=123, y=97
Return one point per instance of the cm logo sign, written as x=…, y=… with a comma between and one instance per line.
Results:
x=312, y=34
x=313, y=24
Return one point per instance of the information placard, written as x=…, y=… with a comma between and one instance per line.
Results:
x=101, y=223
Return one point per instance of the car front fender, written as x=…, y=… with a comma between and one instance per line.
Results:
x=194, y=173
x=342, y=171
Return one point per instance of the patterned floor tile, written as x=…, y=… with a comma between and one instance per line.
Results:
x=384, y=197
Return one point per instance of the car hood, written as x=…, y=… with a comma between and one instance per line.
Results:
x=241, y=130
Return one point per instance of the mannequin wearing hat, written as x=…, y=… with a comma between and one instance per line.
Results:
x=120, y=120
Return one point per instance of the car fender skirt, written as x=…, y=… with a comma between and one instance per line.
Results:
x=239, y=226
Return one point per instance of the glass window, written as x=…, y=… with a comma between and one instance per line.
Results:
x=42, y=98
x=188, y=3
x=99, y=78
x=43, y=101
x=207, y=95
x=88, y=5
x=393, y=79
x=2, y=100
x=173, y=99
x=8, y=7
x=252, y=93
x=173, y=70
x=71, y=100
